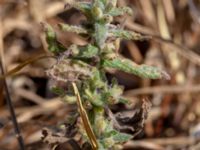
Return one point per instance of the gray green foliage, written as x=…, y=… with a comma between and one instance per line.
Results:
x=128, y=66
x=87, y=65
x=53, y=45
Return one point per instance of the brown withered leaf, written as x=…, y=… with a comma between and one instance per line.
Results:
x=59, y=142
x=68, y=70
x=51, y=138
x=131, y=121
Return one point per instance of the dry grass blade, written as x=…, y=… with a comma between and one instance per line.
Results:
x=85, y=119
x=22, y=65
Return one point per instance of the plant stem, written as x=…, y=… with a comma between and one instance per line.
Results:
x=12, y=112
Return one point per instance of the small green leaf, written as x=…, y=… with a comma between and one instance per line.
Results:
x=121, y=137
x=123, y=100
x=97, y=13
x=59, y=91
x=69, y=99
x=128, y=66
x=115, y=135
x=100, y=4
x=100, y=34
x=53, y=45
x=84, y=7
x=93, y=97
x=96, y=80
x=120, y=11
x=88, y=51
x=70, y=28
x=128, y=35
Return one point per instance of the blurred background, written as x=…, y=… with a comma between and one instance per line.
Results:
x=174, y=119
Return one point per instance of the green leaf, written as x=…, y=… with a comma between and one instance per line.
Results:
x=100, y=34
x=128, y=35
x=59, y=91
x=88, y=51
x=116, y=90
x=103, y=2
x=96, y=81
x=121, y=137
x=100, y=4
x=70, y=28
x=123, y=100
x=101, y=146
x=128, y=66
x=100, y=122
x=120, y=11
x=69, y=99
x=93, y=97
x=53, y=45
x=84, y=7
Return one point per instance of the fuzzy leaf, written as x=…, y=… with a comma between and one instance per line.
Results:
x=113, y=137
x=120, y=11
x=123, y=100
x=75, y=29
x=100, y=34
x=88, y=51
x=121, y=137
x=57, y=90
x=128, y=35
x=96, y=80
x=94, y=98
x=84, y=7
x=69, y=99
x=100, y=4
x=128, y=66
x=53, y=45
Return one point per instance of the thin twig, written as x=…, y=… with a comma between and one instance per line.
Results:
x=12, y=112
x=8, y=98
